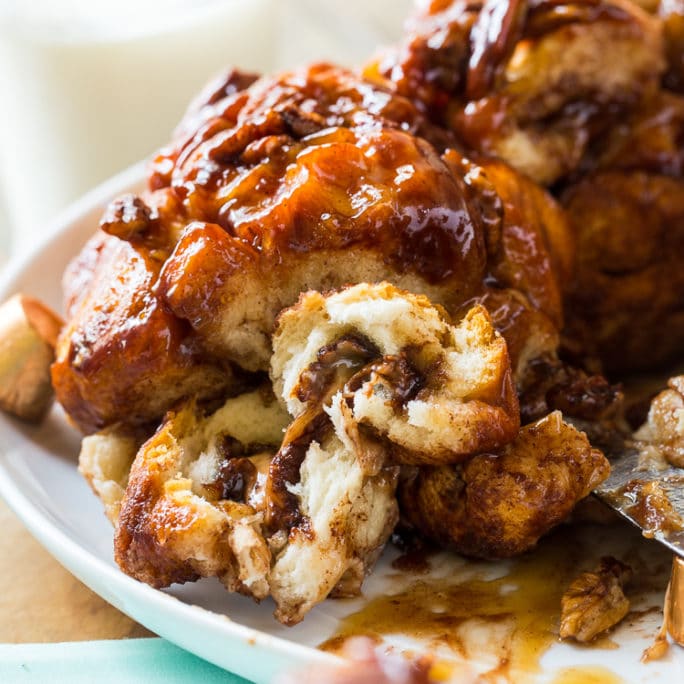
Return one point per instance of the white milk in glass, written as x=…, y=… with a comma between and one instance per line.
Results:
x=88, y=87
x=344, y=31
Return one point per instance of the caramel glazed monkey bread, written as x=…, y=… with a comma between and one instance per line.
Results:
x=339, y=302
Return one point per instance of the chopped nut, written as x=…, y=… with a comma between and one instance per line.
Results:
x=127, y=217
x=595, y=601
x=28, y=332
x=662, y=435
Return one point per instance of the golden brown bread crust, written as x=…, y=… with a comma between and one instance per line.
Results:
x=363, y=200
x=181, y=515
x=438, y=392
x=122, y=355
x=498, y=505
x=661, y=437
x=307, y=180
x=530, y=82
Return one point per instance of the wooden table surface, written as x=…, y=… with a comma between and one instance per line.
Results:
x=41, y=602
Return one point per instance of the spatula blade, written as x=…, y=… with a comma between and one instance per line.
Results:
x=649, y=495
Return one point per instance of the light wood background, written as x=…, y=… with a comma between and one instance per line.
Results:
x=41, y=602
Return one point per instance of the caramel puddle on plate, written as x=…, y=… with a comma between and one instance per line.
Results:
x=506, y=622
x=586, y=675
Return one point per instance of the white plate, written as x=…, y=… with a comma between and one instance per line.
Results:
x=39, y=481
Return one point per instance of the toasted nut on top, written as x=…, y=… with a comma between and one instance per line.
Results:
x=28, y=331
x=595, y=601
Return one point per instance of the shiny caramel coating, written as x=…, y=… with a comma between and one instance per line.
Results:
x=306, y=180
x=533, y=251
x=227, y=122
x=339, y=210
x=499, y=505
x=122, y=356
x=531, y=82
x=307, y=193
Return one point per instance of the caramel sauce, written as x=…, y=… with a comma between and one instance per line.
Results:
x=651, y=507
x=506, y=622
x=586, y=675
x=674, y=611
x=521, y=607
x=329, y=178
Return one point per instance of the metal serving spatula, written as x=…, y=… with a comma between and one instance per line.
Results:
x=652, y=498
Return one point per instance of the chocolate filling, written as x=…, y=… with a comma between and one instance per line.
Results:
x=237, y=475
x=283, y=511
x=346, y=365
x=335, y=364
x=395, y=374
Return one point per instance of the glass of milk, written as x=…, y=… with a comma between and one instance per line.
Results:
x=343, y=31
x=89, y=87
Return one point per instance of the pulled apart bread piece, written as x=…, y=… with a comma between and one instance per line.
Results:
x=335, y=514
x=661, y=437
x=498, y=505
x=193, y=504
x=373, y=377
x=209, y=496
x=105, y=462
x=437, y=392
